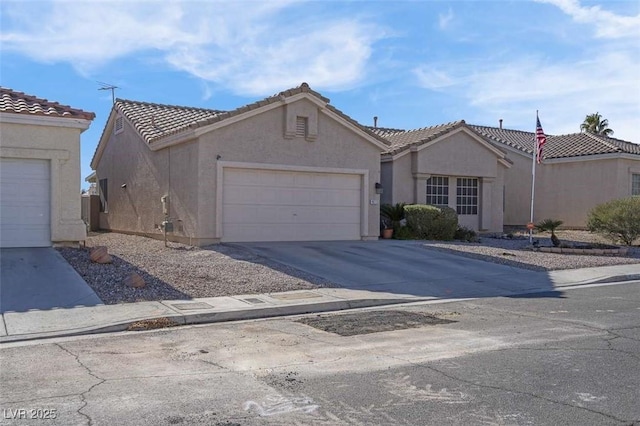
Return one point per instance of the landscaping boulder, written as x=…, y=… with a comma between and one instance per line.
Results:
x=134, y=280
x=100, y=255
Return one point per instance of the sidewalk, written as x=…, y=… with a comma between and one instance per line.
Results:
x=39, y=324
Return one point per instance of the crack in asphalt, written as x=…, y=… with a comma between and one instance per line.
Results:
x=504, y=389
x=84, y=394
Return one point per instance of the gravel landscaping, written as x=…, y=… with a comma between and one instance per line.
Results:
x=517, y=251
x=184, y=272
x=180, y=271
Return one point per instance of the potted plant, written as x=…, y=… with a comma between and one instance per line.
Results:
x=391, y=215
x=386, y=228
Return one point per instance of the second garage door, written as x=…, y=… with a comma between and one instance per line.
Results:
x=273, y=205
x=25, y=211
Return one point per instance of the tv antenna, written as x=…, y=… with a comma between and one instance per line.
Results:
x=107, y=86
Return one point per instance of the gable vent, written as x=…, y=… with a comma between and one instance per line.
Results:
x=301, y=126
x=119, y=127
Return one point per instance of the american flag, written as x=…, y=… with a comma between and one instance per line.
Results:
x=541, y=139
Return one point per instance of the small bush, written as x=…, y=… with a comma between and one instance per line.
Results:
x=431, y=222
x=465, y=234
x=618, y=220
x=550, y=225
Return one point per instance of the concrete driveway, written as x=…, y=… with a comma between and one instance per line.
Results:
x=40, y=278
x=403, y=267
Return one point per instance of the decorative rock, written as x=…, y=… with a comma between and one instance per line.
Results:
x=134, y=280
x=100, y=255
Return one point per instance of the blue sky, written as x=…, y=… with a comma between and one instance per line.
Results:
x=411, y=63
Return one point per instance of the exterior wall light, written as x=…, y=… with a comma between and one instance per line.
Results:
x=379, y=188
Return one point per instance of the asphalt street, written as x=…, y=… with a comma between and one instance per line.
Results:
x=568, y=357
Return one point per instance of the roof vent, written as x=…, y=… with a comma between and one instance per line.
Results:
x=500, y=121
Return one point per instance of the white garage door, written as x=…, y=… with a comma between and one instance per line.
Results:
x=25, y=210
x=268, y=205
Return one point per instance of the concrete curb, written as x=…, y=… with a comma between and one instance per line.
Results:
x=220, y=316
x=61, y=322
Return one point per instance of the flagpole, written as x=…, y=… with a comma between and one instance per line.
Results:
x=533, y=179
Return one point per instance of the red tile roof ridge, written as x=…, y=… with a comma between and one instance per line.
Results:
x=23, y=103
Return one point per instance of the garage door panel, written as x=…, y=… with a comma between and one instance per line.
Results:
x=25, y=208
x=310, y=215
x=273, y=205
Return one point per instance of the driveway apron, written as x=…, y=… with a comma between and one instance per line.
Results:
x=403, y=267
x=40, y=278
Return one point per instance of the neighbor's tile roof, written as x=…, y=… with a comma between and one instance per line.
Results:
x=402, y=139
x=21, y=103
x=560, y=146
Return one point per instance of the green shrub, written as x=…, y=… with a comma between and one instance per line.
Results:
x=431, y=222
x=618, y=220
x=403, y=233
x=465, y=234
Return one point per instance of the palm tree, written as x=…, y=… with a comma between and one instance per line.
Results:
x=550, y=225
x=594, y=123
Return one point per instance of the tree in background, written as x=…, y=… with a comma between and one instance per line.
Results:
x=594, y=123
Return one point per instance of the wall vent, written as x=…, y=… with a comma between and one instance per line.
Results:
x=301, y=126
x=119, y=126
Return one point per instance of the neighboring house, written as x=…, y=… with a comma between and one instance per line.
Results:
x=288, y=168
x=446, y=165
x=40, y=171
x=488, y=170
x=579, y=171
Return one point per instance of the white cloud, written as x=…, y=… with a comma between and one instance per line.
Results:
x=435, y=79
x=445, y=19
x=564, y=92
x=601, y=77
x=250, y=48
x=607, y=24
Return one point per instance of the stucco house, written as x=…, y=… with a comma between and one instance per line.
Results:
x=579, y=171
x=290, y=167
x=485, y=173
x=40, y=171
x=446, y=165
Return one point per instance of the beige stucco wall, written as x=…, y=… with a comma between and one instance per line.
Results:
x=61, y=146
x=457, y=155
x=261, y=139
x=403, y=185
x=386, y=179
x=459, y=152
x=566, y=189
x=517, y=191
x=148, y=176
x=569, y=190
x=193, y=171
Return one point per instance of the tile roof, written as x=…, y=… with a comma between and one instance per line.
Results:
x=560, y=146
x=402, y=139
x=21, y=103
x=384, y=131
x=155, y=121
